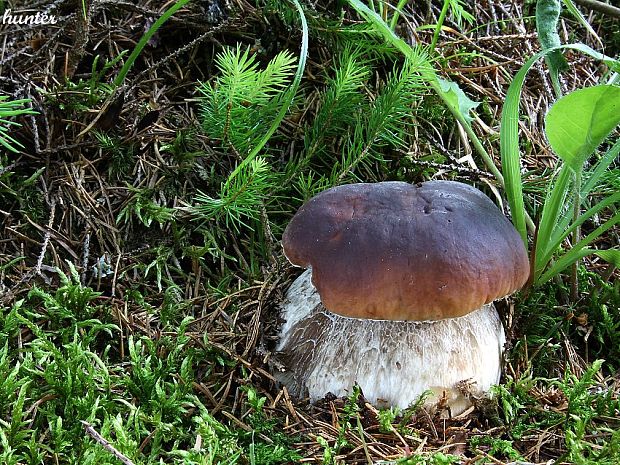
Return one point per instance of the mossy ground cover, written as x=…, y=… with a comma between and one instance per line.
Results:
x=139, y=279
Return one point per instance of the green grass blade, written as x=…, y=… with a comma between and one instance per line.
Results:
x=552, y=209
x=557, y=239
x=592, y=176
x=438, y=26
x=610, y=256
x=399, y=8
x=578, y=251
x=509, y=148
x=24, y=111
x=570, y=6
x=381, y=27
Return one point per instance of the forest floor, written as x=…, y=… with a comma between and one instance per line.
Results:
x=141, y=216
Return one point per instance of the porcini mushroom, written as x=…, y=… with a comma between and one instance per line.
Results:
x=398, y=293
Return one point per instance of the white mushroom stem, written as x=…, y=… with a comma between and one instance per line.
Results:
x=394, y=362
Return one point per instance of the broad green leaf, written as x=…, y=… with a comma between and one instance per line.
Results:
x=457, y=97
x=547, y=16
x=610, y=256
x=578, y=122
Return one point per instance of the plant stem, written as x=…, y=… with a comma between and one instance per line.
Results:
x=396, y=15
x=604, y=8
x=442, y=18
x=574, y=284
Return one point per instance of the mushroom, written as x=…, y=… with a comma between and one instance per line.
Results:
x=398, y=293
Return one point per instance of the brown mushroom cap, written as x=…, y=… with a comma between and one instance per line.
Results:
x=396, y=251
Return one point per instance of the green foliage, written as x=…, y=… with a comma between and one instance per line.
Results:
x=384, y=124
x=252, y=95
x=584, y=420
x=239, y=104
x=219, y=445
x=585, y=404
x=20, y=187
x=574, y=140
x=329, y=454
x=579, y=122
x=582, y=451
x=8, y=109
x=340, y=106
x=121, y=154
x=164, y=258
x=514, y=399
x=428, y=74
x=561, y=213
x=239, y=65
x=279, y=448
x=59, y=365
x=85, y=94
x=145, y=209
x=496, y=447
x=572, y=9
x=349, y=424
x=71, y=301
x=344, y=141
x=386, y=418
x=240, y=200
x=457, y=98
x=591, y=325
x=361, y=130
x=575, y=126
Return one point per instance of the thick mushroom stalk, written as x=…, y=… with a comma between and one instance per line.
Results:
x=399, y=296
x=393, y=362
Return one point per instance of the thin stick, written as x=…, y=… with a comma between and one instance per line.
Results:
x=106, y=445
x=601, y=7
